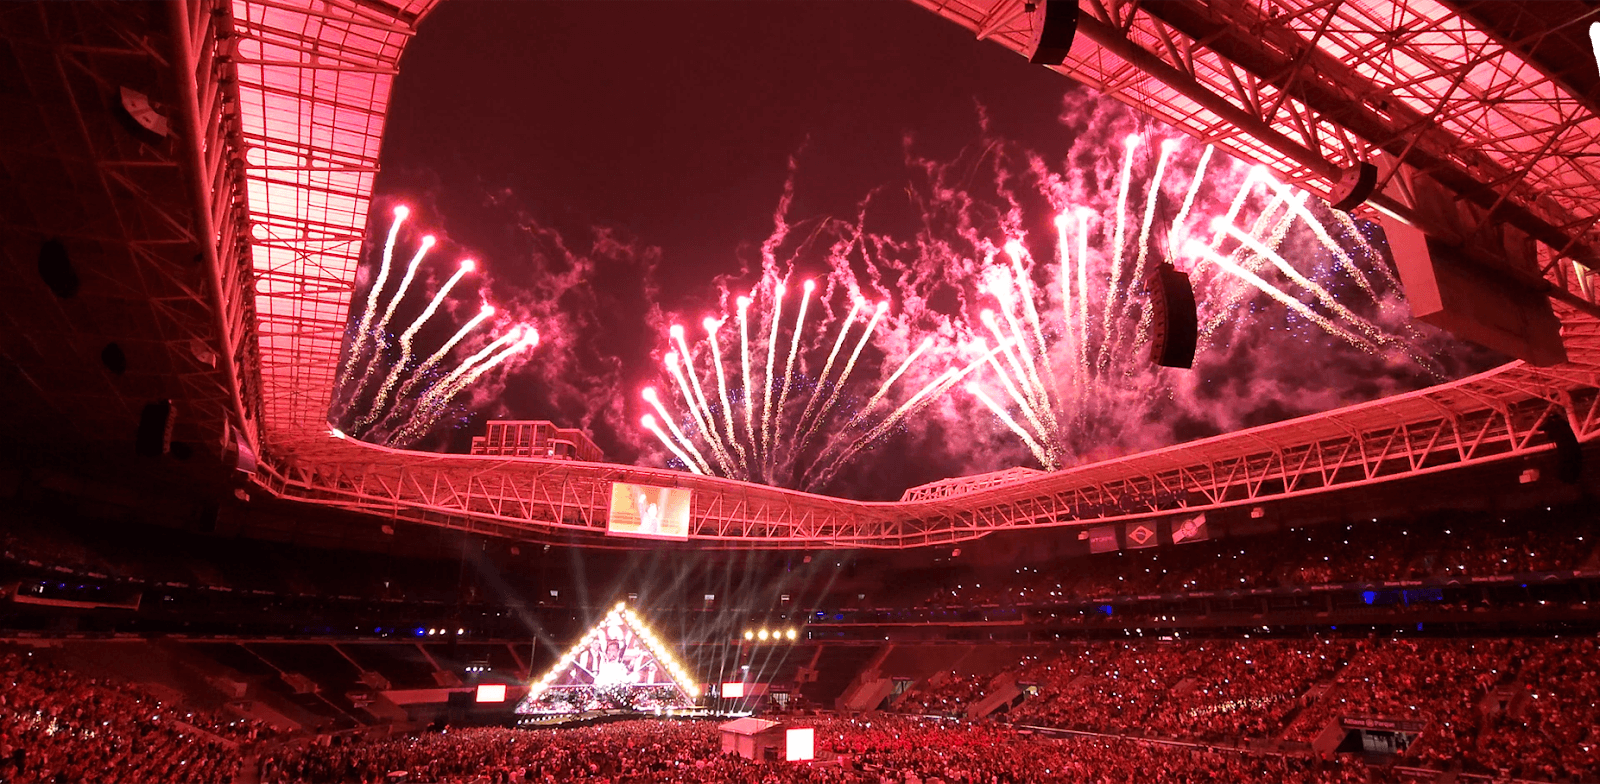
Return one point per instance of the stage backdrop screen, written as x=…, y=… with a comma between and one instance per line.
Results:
x=491, y=692
x=651, y=512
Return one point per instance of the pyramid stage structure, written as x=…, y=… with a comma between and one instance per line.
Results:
x=620, y=665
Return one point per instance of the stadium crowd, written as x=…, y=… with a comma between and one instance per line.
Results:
x=1353, y=553
x=1529, y=708
x=58, y=726
x=851, y=752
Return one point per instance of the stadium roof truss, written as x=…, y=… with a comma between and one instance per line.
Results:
x=290, y=98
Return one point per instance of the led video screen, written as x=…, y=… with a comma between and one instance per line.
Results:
x=649, y=512
x=612, y=668
x=491, y=692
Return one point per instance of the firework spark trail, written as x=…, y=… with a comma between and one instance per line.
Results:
x=694, y=411
x=744, y=362
x=1064, y=263
x=433, y=360
x=1188, y=198
x=1365, y=327
x=428, y=409
x=1350, y=229
x=676, y=333
x=927, y=393
x=1011, y=359
x=654, y=400
x=1083, y=289
x=1167, y=148
x=1039, y=394
x=380, y=327
x=1272, y=291
x=883, y=390
x=1235, y=295
x=529, y=340
x=1033, y=446
x=649, y=423
x=712, y=325
x=849, y=365
x=1371, y=331
x=711, y=433
x=1114, y=292
x=1011, y=389
x=1015, y=250
x=1341, y=257
x=827, y=367
x=794, y=351
x=405, y=283
x=421, y=373
x=1131, y=304
x=772, y=348
x=362, y=332
x=1238, y=204
x=406, y=340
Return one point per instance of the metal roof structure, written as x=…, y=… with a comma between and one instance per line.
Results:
x=278, y=110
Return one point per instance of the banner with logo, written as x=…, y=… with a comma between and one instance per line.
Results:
x=1140, y=534
x=1190, y=529
x=1103, y=539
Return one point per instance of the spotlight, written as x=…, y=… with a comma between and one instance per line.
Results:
x=790, y=634
x=749, y=635
x=762, y=634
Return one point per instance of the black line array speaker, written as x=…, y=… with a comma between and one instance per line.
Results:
x=154, y=438
x=1354, y=187
x=55, y=268
x=114, y=359
x=1054, y=27
x=1569, y=453
x=1174, y=325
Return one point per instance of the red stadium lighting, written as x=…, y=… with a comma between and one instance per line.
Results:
x=810, y=286
x=402, y=211
x=676, y=331
x=468, y=265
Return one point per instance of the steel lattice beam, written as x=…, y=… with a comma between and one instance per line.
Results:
x=1307, y=88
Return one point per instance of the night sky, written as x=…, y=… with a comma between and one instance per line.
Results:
x=616, y=166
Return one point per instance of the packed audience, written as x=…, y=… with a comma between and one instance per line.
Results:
x=1202, y=690
x=1354, y=553
x=945, y=695
x=849, y=752
x=1523, y=707
x=59, y=726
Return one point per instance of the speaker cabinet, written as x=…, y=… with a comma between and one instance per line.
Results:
x=1055, y=24
x=1569, y=453
x=1354, y=187
x=55, y=269
x=1174, y=325
x=154, y=438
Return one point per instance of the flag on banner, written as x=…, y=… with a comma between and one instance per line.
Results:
x=1103, y=539
x=1140, y=535
x=1190, y=529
